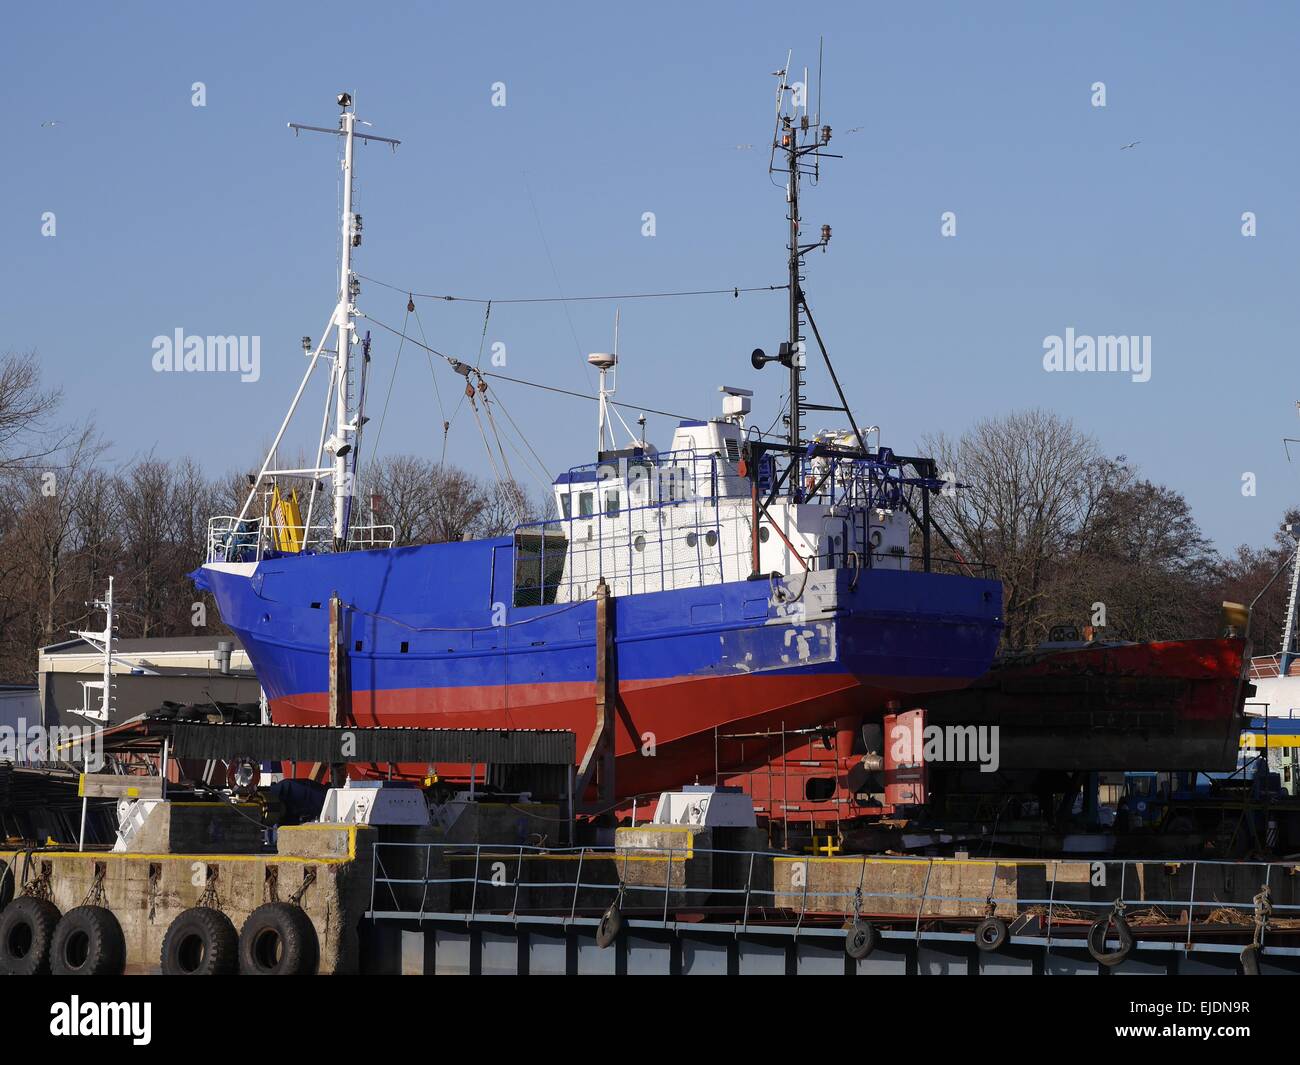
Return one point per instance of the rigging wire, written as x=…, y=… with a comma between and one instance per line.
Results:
x=735, y=291
x=522, y=381
x=546, y=483
x=546, y=480
x=446, y=422
x=486, y=446
x=496, y=434
x=577, y=345
x=397, y=361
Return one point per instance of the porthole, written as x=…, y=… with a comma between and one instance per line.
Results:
x=764, y=534
x=638, y=542
x=691, y=539
x=711, y=538
x=876, y=536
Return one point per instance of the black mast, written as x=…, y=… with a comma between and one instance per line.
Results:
x=800, y=145
x=795, y=341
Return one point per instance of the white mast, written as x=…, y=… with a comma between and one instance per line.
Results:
x=107, y=696
x=345, y=426
x=103, y=642
x=605, y=362
x=343, y=439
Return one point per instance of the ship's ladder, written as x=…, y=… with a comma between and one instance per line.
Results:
x=286, y=521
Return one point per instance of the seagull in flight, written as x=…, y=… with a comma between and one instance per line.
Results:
x=744, y=147
x=1126, y=147
x=56, y=122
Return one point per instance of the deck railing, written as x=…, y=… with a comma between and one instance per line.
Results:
x=231, y=539
x=450, y=881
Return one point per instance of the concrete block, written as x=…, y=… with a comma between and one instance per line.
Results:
x=200, y=828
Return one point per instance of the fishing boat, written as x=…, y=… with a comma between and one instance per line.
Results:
x=732, y=581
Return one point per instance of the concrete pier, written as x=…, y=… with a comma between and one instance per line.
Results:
x=326, y=867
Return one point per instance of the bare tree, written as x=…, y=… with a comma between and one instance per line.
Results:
x=402, y=488
x=51, y=529
x=26, y=405
x=1030, y=482
x=506, y=507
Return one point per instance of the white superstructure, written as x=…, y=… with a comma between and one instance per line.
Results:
x=648, y=521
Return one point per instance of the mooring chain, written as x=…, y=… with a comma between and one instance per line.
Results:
x=40, y=886
x=1263, y=911
x=155, y=879
x=95, y=895
x=209, y=898
x=308, y=878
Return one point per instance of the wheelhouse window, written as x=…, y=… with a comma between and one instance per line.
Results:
x=586, y=504
x=612, y=502
x=674, y=484
x=539, y=567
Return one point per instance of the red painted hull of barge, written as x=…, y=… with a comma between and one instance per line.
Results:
x=1143, y=706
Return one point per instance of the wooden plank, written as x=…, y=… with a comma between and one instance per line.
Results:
x=117, y=786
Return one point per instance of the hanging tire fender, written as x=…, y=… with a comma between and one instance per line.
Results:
x=991, y=934
x=26, y=935
x=859, y=939
x=278, y=939
x=611, y=923
x=88, y=941
x=1098, y=932
x=201, y=941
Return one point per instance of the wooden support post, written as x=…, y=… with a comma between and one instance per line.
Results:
x=338, y=693
x=598, y=762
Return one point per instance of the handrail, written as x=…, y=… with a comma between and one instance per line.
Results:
x=232, y=539
x=827, y=900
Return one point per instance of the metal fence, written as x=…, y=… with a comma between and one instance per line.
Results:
x=485, y=882
x=231, y=539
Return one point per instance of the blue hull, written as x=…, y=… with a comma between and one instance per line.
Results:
x=423, y=649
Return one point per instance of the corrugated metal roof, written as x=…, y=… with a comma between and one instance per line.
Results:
x=151, y=645
x=319, y=743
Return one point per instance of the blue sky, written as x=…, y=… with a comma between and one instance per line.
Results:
x=218, y=221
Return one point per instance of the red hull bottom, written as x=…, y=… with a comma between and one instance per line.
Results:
x=666, y=732
x=1152, y=706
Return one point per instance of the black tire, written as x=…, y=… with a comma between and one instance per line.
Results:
x=990, y=934
x=88, y=941
x=859, y=939
x=1098, y=932
x=1250, y=960
x=611, y=923
x=200, y=942
x=278, y=939
x=26, y=935
x=6, y=883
